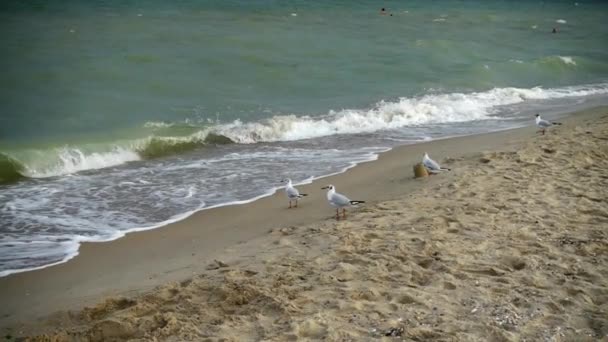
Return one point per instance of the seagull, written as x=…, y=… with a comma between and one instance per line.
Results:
x=544, y=124
x=338, y=201
x=292, y=193
x=431, y=165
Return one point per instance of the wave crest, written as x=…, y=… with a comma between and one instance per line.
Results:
x=72, y=159
x=68, y=160
x=558, y=61
x=160, y=147
x=155, y=147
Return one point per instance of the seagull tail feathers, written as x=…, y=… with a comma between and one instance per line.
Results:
x=302, y=195
x=556, y=123
x=356, y=202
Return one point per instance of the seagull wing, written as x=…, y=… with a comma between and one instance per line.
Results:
x=339, y=200
x=431, y=164
x=292, y=192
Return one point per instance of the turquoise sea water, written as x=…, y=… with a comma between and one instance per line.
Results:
x=109, y=109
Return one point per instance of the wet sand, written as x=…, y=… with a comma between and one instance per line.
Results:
x=510, y=245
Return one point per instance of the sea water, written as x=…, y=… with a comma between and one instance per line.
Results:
x=126, y=115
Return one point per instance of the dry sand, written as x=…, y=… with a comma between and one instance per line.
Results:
x=511, y=245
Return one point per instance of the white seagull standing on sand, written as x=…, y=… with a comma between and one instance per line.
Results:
x=292, y=193
x=339, y=201
x=544, y=124
x=431, y=165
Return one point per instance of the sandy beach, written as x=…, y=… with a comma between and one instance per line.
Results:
x=510, y=245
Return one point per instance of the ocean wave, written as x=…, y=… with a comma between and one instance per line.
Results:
x=160, y=147
x=558, y=61
x=71, y=160
x=58, y=161
x=187, y=123
x=43, y=163
x=566, y=66
x=551, y=63
x=52, y=162
x=386, y=115
x=158, y=124
x=155, y=147
x=428, y=109
x=567, y=59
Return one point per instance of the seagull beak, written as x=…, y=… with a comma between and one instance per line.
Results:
x=325, y=187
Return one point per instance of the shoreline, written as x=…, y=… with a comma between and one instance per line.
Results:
x=185, y=248
x=180, y=217
x=183, y=216
x=186, y=215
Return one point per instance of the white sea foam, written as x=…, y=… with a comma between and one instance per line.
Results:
x=157, y=124
x=561, y=21
x=428, y=109
x=567, y=60
x=183, y=123
x=69, y=249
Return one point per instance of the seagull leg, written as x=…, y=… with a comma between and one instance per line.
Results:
x=296, y=202
x=344, y=213
x=338, y=214
x=289, y=204
x=543, y=131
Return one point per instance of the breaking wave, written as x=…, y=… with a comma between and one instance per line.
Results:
x=428, y=109
x=66, y=160
x=60, y=161
x=385, y=115
x=558, y=61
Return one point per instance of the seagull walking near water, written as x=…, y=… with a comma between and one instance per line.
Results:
x=292, y=193
x=544, y=124
x=431, y=165
x=339, y=201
